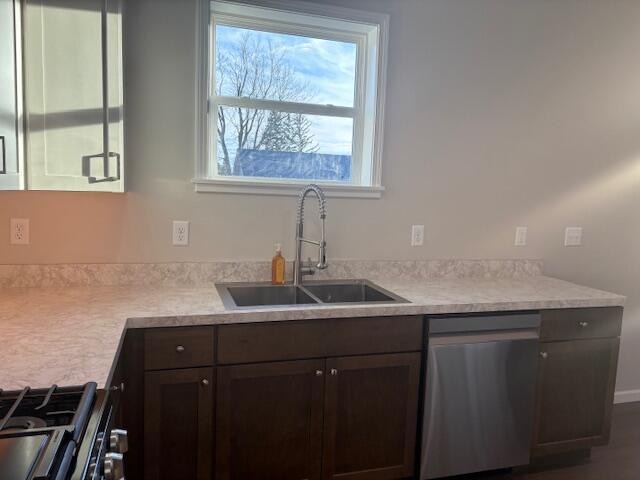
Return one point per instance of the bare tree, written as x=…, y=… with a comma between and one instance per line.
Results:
x=301, y=137
x=254, y=68
x=288, y=132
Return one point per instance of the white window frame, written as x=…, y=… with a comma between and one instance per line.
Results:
x=369, y=31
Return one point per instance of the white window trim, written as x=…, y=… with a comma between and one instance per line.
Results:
x=369, y=135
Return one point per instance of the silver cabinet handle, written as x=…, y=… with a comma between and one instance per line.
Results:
x=319, y=373
x=3, y=152
x=179, y=349
x=544, y=354
x=584, y=324
x=333, y=371
x=86, y=167
x=205, y=382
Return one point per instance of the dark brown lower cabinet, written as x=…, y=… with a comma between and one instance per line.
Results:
x=269, y=421
x=352, y=418
x=576, y=381
x=178, y=428
x=370, y=411
x=333, y=413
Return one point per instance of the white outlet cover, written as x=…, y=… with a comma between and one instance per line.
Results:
x=417, y=235
x=521, y=237
x=180, y=233
x=19, y=231
x=573, y=237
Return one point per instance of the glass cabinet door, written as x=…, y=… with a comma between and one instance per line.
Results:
x=72, y=57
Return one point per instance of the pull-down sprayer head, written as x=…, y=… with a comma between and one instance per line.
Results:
x=322, y=256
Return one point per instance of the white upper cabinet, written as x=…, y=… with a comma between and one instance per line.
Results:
x=72, y=124
x=10, y=178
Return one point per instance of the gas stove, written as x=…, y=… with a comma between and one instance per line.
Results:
x=59, y=433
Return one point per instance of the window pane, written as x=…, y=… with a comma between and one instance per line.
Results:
x=272, y=144
x=275, y=66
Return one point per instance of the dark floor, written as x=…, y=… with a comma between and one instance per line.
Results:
x=620, y=460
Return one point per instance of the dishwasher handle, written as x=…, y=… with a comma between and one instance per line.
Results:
x=484, y=323
x=484, y=337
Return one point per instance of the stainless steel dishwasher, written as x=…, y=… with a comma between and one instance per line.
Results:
x=480, y=389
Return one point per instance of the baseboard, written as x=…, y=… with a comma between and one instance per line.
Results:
x=627, y=396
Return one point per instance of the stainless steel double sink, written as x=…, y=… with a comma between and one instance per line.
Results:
x=331, y=292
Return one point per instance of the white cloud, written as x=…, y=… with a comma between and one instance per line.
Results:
x=328, y=66
x=333, y=135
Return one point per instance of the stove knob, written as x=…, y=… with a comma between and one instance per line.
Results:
x=118, y=441
x=113, y=466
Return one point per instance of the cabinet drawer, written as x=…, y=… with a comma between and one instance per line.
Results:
x=579, y=323
x=180, y=347
x=262, y=342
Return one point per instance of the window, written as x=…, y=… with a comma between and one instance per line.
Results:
x=293, y=94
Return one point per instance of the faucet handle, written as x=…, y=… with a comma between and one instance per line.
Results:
x=309, y=268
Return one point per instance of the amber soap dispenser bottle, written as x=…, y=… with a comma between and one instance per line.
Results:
x=277, y=267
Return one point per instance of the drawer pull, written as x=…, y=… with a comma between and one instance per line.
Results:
x=584, y=324
x=179, y=349
x=319, y=373
x=334, y=371
x=205, y=382
x=544, y=354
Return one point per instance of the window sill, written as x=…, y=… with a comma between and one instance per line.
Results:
x=291, y=188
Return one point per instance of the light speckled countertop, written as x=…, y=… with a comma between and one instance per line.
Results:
x=71, y=335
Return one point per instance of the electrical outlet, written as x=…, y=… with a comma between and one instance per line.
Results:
x=573, y=237
x=20, y=231
x=417, y=235
x=521, y=237
x=181, y=233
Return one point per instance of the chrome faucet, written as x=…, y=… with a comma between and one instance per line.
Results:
x=298, y=268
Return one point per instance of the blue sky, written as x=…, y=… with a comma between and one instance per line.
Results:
x=328, y=66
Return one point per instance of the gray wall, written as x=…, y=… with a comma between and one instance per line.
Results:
x=499, y=113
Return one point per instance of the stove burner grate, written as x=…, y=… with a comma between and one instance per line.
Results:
x=53, y=408
x=15, y=424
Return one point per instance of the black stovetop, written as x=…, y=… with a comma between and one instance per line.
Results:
x=40, y=429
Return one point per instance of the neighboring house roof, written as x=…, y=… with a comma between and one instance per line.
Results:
x=317, y=166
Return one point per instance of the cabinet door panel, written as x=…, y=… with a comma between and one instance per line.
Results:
x=73, y=96
x=576, y=382
x=178, y=430
x=269, y=421
x=370, y=420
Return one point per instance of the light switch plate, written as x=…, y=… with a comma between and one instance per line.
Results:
x=417, y=235
x=19, y=231
x=521, y=237
x=573, y=237
x=180, y=233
